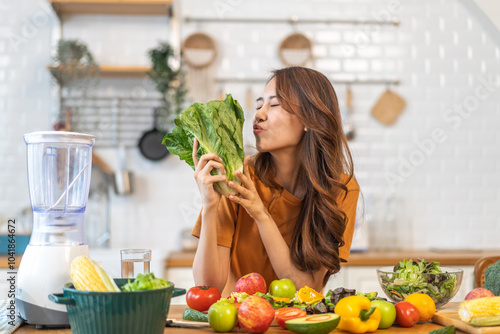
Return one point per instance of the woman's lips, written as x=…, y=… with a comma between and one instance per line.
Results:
x=257, y=128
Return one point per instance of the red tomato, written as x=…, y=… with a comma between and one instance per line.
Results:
x=200, y=298
x=407, y=314
x=287, y=313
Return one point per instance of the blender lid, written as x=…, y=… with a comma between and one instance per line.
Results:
x=59, y=137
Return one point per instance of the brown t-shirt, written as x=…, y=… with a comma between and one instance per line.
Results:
x=237, y=230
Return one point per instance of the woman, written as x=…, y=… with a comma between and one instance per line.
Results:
x=294, y=214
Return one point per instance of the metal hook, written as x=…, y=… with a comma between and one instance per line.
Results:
x=294, y=20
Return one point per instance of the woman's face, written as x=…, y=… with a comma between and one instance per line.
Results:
x=275, y=129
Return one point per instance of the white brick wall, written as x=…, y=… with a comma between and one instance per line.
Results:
x=118, y=39
x=25, y=30
x=440, y=51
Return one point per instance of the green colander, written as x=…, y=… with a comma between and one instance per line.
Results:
x=116, y=312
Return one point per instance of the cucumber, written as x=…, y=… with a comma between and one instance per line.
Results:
x=193, y=315
x=444, y=330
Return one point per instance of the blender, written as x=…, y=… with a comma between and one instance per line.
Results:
x=59, y=167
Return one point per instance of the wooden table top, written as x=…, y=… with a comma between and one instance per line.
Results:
x=176, y=312
x=376, y=257
x=4, y=261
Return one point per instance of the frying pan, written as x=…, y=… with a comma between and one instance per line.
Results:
x=150, y=143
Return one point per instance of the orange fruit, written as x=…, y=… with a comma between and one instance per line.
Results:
x=309, y=296
x=424, y=304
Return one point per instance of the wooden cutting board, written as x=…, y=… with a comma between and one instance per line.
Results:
x=450, y=317
x=388, y=107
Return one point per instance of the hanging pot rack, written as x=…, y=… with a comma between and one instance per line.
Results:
x=292, y=20
x=114, y=120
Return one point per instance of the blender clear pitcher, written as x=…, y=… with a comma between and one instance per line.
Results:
x=59, y=166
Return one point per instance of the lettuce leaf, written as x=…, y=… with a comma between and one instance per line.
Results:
x=146, y=282
x=218, y=126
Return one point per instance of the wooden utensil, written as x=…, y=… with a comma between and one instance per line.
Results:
x=450, y=317
x=99, y=162
x=249, y=102
x=199, y=51
x=350, y=132
x=388, y=107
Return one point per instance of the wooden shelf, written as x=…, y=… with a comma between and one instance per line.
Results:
x=121, y=71
x=114, y=7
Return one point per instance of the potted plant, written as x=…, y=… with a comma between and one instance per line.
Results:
x=169, y=82
x=73, y=61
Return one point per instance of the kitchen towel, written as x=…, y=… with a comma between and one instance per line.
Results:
x=8, y=325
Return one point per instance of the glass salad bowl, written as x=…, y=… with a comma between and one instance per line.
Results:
x=441, y=287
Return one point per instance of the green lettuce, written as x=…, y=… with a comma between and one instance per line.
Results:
x=218, y=126
x=146, y=282
x=416, y=277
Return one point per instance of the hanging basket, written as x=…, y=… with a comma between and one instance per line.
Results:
x=295, y=50
x=199, y=50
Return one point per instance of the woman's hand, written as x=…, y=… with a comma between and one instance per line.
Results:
x=248, y=196
x=205, y=180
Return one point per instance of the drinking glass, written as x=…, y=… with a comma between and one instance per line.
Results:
x=135, y=261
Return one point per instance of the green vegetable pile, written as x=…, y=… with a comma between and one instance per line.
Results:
x=492, y=278
x=325, y=305
x=410, y=277
x=218, y=126
x=444, y=330
x=146, y=282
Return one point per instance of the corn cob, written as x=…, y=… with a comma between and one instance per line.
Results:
x=87, y=275
x=481, y=311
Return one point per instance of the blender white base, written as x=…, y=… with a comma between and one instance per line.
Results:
x=44, y=270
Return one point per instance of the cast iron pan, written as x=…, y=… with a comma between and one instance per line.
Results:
x=150, y=143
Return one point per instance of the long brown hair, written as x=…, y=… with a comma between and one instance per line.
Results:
x=324, y=158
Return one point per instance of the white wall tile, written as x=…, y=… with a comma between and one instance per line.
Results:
x=329, y=64
x=327, y=37
x=355, y=65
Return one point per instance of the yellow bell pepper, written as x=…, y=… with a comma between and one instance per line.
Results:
x=357, y=315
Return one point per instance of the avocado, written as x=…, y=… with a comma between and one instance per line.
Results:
x=314, y=324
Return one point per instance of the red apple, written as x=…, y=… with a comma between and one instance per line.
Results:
x=255, y=314
x=251, y=283
x=479, y=293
